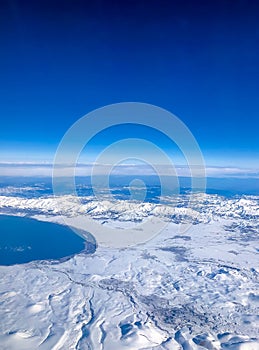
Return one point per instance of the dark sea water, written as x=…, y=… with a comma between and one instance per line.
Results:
x=23, y=240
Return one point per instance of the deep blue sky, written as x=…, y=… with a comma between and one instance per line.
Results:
x=199, y=59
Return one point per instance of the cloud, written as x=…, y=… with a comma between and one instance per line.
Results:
x=45, y=170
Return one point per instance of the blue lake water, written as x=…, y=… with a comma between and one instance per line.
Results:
x=23, y=240
x=36, y=187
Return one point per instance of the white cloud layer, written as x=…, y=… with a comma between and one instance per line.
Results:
x=45, y=170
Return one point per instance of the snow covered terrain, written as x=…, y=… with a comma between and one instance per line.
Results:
x=193, y=290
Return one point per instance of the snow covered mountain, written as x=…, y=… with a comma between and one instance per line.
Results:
x=198, y=207
x=191, y=290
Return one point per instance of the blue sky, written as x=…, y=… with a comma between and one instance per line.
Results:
x=62, y=59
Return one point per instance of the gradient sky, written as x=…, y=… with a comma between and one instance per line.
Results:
x=62, y=59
